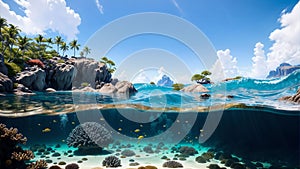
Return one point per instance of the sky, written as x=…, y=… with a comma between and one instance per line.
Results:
x=250, y=37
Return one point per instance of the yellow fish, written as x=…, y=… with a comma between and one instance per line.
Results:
x=46, y=130
x=140, y=137
x=120, y=129
x=137, y=130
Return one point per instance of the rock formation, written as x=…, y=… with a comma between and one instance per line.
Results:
x=3, y=68
x=6, y=85
x=295, y=98
x=91, y=72
x=283, y=70
x=33, y=78
x=195, y=88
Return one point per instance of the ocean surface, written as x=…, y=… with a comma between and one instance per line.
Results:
x=242, y=117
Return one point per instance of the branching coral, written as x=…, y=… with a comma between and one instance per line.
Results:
x=41, y=164
x=111, y=161
x=12, y=156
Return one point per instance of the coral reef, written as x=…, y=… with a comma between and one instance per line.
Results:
x=148, y=149
x=13, y=156
x=90, y=138
x=172, y=164
x=111, y=161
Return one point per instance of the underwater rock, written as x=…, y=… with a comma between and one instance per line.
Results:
x=6, y=85
x=188, y=151
x=195, y=88
x=72, y=166
x=89, y=137
x=34, y=78
x=208, y=155
x=55, y=167
x=148, y=149
x=62, y=163
x=201, y=159
x=148, y=167
x=172, y=164
x=214, y=166
x=128, y=153
x=295, y=98
x=111, y=161
x=237, y=166
x=55, y=154
x=134, y=164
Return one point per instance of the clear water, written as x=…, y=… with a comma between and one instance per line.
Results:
x=254, y=125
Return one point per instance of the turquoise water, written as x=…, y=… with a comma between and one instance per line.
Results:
x=254, y=125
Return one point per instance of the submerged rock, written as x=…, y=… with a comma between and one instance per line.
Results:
x=121, y=87
x=295, y=98
x=195, y=88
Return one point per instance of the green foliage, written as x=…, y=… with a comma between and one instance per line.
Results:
x=206, y=73
x=196, y=77
x=177, y=86
x=237, y=77
x=13, y=68
x=109, y=63
x=15, y=85
x=203, y=75
x=85, y=84
x=152, y=83
x=61, y=61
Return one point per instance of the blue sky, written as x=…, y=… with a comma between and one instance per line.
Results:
x=229, y=24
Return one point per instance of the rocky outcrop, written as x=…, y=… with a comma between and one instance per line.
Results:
x=195, y=88
x=33, y=78
x=283, y=70
x=6, y=85
x=295, y=98
x=3, y=68
x=121, y=87
x=165, y=81
x=61, y=76
x=91, y=72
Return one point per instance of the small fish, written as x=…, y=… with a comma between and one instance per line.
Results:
x=137, y=130
x=39, y=124
x=140, y=137
x=46, y=130
x=73, y=122
x=54, y=121
x=120, y=129
x=63, y=140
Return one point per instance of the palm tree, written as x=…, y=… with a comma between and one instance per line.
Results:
x=81, y=54
x=39, y=39
x=49, y=41
x=86, y=50
x=109, y=63
x=10, y=36
x=3, y=23
x=64, y=47
x=23, y=43
x=58, y=40
x=74, y=45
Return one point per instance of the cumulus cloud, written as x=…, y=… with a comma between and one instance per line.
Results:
x=286, y=46
x=42, y=15
x=141, y=77
x=259, y=65
x=99, y=6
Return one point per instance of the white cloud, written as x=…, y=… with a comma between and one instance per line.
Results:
x=99, y=6
x=43, y=15
x=259, y=66
x=228, y=62
x=141, y=77
x=286, y=46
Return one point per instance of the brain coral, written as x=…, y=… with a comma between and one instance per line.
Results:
x=89, y=134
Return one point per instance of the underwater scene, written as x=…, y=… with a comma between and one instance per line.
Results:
x=235, y=124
